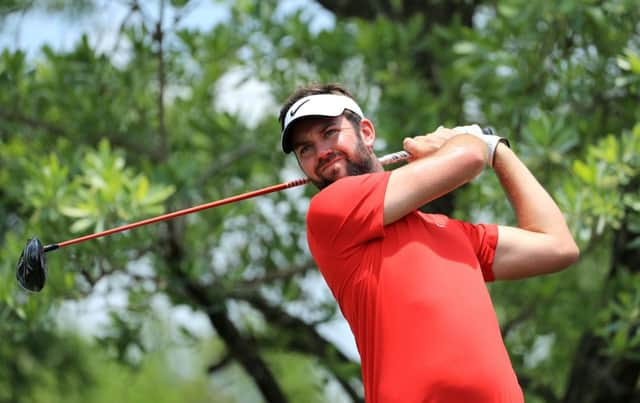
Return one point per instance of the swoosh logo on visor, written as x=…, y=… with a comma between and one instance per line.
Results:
x=292, y=112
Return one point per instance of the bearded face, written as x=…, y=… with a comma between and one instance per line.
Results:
x=328, y=149
x=328, y=170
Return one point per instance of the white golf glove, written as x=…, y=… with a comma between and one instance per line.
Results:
x=491, y=140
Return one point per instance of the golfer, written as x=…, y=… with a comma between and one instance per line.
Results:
x=412, y=285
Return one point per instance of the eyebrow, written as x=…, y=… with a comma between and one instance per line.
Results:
x=323, y=128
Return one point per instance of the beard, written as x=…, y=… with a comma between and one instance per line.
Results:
x=362, y=163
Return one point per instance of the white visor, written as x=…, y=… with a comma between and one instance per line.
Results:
x=320, y=105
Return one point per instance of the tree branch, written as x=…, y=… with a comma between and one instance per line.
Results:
x=306, y=340
x=239, y=347
x=115, y=140
x=223, y=362
x=523, y=315
x=158, y=37
x=250, y=286
x=30, y=122
x=226, y=159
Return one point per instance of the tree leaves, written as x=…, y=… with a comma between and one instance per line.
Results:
x=106, y=192
x=82, y=134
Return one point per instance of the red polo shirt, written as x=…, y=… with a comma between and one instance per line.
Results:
x=414, y=295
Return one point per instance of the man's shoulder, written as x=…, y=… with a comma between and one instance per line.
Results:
x=346, y=213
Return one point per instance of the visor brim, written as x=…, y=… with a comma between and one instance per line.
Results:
x=315, y=106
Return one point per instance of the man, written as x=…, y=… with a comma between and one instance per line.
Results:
x=411, y=285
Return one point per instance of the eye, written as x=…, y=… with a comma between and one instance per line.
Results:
x=331, y=132
x=303, y=150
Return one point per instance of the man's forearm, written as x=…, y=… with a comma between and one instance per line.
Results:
x=534, y=208
x=542, y=243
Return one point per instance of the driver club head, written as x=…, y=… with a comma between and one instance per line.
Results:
x=31, y=271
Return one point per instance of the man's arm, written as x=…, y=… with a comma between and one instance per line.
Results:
x=542, y=242
x=453, y=160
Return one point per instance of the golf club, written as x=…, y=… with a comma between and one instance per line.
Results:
x=31, y=271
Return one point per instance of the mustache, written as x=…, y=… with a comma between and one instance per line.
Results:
x=327, y=160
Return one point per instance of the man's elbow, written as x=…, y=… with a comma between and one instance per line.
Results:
x=567, y=254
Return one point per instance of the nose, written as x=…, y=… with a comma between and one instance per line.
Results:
x=325, y=151
x=325, y=154
x=324, y=148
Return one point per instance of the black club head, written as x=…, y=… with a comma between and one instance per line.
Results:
x=31, y=270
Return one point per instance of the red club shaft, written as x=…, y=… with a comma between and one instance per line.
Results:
x=385, y=160
x=190, y=210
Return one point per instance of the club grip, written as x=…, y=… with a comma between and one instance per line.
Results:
x=403, y=155
x=394, y=157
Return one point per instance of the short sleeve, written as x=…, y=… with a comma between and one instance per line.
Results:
x=347, y=213
x=484, y=239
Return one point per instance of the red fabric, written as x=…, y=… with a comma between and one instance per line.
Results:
x=414, y=295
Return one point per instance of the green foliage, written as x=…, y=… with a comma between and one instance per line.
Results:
x=304, y=378
x=52, y=367
x=606, y=182
x=94, y=139
x=150, y=383
x=71, y=8
x=619, y=323
x=104, y=188
x=34, y=356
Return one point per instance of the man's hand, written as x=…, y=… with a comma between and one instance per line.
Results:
x=470, y=129
x=422, y=146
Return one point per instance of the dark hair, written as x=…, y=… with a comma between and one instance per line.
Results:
x=315, y=89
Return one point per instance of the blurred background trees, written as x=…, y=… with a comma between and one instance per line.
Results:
x=160, y=114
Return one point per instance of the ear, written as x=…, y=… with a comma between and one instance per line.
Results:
x=368, y=132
